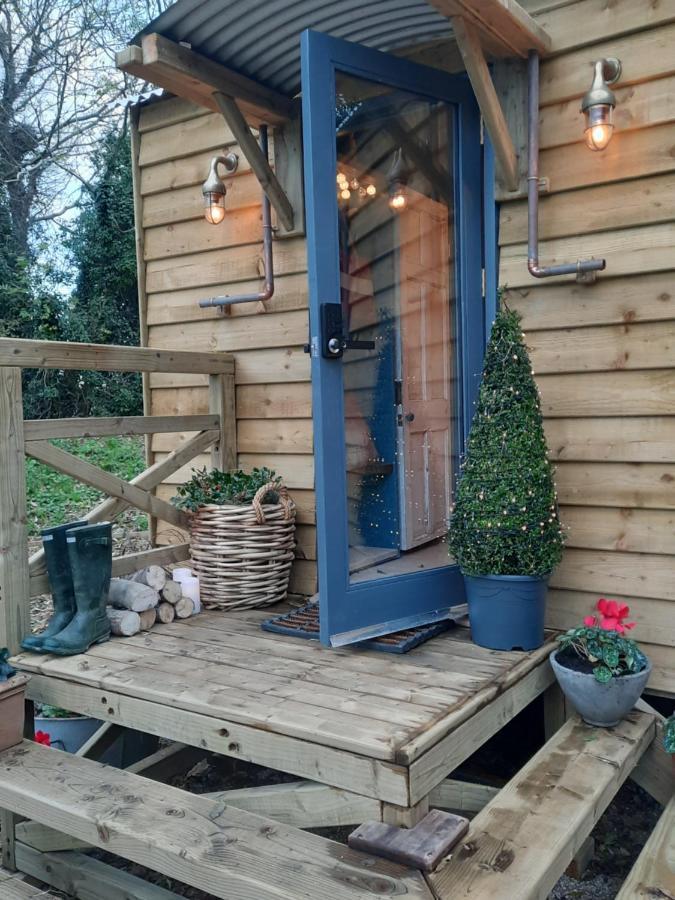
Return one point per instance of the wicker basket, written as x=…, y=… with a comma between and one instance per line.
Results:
x=243, y=554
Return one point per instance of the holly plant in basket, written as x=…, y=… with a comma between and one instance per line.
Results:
x=600, y=644
x=669, y=734
x=219, y=488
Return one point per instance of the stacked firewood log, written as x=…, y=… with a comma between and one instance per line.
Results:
x=140, y=600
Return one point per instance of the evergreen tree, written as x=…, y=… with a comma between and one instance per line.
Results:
x=104, y=306
x=505, y=521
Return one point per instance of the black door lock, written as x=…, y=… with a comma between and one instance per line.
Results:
x=333, y=340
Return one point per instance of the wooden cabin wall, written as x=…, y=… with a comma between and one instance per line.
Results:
x=186, y=260
x=604, y=355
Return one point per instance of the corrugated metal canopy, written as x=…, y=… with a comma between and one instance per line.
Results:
x=261, y=38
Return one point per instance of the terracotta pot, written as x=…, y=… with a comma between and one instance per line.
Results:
x=12, y=710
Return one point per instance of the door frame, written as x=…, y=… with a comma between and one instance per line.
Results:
x=321, y=56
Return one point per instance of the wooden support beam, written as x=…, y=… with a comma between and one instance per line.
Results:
x=85, y=878
x=503, y=25
x=305, y=804
x=462, y=796
x=48, y=429
x=653, y=874
x=195, y=77
x=104, y=481
x=109, y=357
x=14, y=609
x=269, y=182
x=655, y=772
x=490, y=107
x=100, y=741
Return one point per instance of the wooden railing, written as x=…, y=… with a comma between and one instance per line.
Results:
x=22, y=578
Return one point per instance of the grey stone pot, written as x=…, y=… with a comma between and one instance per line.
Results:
x=600, y=704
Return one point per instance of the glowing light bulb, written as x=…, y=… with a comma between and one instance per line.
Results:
x=214, y=208
x=371, y=190
x=398, y=201
x=345, y=194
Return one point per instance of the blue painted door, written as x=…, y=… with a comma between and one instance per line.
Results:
x=393, y=175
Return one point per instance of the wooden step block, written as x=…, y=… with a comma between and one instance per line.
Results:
x=522, y=841
x=421, y=847
x=224, y=851
x=653, y=874
x=14, y=887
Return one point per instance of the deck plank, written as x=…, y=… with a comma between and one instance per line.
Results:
x=347, y=731
x=222, y=850
x=13, y=887
x=378, y=705
x=520, y=844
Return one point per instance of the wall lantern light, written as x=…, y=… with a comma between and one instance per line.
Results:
x=397, y=182
x=599, y=102
x=214, y=189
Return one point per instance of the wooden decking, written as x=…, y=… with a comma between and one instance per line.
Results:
x=13, y=886
x=383, y=726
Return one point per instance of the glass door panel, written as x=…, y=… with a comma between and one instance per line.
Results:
x=393, y=192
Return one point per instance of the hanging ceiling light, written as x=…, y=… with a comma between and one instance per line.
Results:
x=397, y=182
x=214, y=189
x=599, y=102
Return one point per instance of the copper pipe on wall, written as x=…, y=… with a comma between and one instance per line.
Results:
x=268, y=256
x=582, y=267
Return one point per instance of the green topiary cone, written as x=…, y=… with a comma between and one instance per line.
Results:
x=505, y=520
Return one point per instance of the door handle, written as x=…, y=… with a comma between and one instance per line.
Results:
x=409, y=417
x=333, y=340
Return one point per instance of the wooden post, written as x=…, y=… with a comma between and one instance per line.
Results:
x=404, y=816
x=222, y=402
x=14, y=584
x=556, y=710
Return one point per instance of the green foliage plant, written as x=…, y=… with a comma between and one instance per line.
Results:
x=669, y=734
x=608, y=653
x=224, y=488
x=505, y=520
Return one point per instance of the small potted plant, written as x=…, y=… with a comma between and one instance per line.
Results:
x=12, y=691
x=242, y=536
x=64, y=730
x=505, y=532
x=601, y=671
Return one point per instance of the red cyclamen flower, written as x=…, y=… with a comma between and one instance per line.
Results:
x=41, y=737
x=612, y=615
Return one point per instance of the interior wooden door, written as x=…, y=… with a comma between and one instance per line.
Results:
x=425, y=437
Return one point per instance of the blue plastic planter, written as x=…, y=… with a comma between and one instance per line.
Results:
x=506, y=612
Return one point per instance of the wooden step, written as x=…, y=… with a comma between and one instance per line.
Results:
x=225, y=851
x=653, y=874
x=524, y=839
x=14, y=887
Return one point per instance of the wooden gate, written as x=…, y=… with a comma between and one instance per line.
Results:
x=22, y=578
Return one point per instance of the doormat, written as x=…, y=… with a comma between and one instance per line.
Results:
x=304, y=623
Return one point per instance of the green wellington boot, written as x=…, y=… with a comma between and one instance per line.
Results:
x=90, y=554
x=60, y=581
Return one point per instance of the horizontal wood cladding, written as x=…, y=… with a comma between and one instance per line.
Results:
x=573, y=25
x=653, y=617
x=644, y=55
x=602, y=394
x=648, y=345
x=614, y=439
x=188, y=260
x=627, y=251
x=646, y=201
x=626, y=574
x=645, y=297
x=623, y=528
x=639, y=485
x=604, y=354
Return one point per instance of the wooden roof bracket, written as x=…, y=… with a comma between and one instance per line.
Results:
x=256, y=158
x=477, y=69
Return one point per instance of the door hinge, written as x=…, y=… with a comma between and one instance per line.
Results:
x=483, y=283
